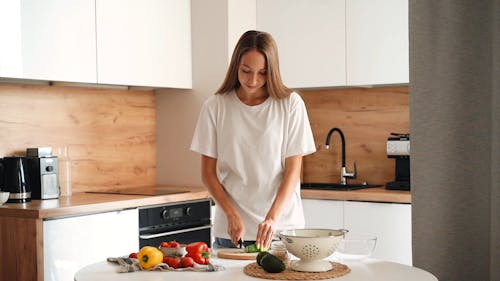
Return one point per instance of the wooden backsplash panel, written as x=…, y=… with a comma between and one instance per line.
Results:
x=366, y=116
x=110, y=135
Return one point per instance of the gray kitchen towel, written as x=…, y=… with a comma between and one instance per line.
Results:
x=127, y=264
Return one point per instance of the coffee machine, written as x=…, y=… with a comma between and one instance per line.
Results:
x=398, y=147
x=43, y=169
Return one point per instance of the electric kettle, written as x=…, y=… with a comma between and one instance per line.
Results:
x=14, y=179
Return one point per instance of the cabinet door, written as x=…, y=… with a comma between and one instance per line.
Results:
x=377, y=42
x=72, y=243
x=390, y=222
x=311, y=40
x=323, y=213
x=48, y=40
x=144, y=43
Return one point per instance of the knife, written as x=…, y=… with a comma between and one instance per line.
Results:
x=240, y=244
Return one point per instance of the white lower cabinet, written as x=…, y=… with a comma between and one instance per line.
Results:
x=390, y=222
x=74, y=242
x=324, y=213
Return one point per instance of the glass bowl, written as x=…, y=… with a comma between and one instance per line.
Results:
x=356, y=246
x=173, y=252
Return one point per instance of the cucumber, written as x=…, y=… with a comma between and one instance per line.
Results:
x=251, y=249
x=272, y=264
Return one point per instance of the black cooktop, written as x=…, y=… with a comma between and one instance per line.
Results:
x=147, y=191
x=337, y=186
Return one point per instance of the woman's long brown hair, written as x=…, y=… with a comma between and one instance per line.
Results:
x=264, y=43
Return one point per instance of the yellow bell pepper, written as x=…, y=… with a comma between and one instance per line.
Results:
x=149, y=257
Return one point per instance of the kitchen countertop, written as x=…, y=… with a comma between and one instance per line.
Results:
x=370, y=269
x=373, y=194
x=83, y=203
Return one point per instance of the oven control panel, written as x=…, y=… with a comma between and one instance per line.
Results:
x=175, y=214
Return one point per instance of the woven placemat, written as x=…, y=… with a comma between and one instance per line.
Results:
x=338, y=270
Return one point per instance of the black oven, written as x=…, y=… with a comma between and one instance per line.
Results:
x=184, y=222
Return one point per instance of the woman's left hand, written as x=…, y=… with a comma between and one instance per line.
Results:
x=265, y=234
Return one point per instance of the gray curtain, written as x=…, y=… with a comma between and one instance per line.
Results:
x=455, y=137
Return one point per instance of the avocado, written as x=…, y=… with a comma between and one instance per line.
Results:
x=260, y=256
x=272, y=264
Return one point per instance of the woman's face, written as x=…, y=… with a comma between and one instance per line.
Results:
x=252, y=72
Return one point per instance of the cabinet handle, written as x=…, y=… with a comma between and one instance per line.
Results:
x=150, y=236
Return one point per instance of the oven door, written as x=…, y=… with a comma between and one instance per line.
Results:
x=183, y=236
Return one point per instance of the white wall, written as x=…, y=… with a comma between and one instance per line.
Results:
x=242, y=16
x=214, y=34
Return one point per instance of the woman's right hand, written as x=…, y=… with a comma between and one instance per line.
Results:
x=235, y=228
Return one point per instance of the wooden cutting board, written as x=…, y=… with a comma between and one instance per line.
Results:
x=236, y=254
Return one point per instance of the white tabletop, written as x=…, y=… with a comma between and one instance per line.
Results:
x=371, y=269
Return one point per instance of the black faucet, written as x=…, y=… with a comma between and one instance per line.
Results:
x=343, y=172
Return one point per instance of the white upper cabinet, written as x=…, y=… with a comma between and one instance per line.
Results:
x=324, y=43
x=121, y=42
x=311, y=40
x=48, y=40
x=377, y=42
x=144, y=43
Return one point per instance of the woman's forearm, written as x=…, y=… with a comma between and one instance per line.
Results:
x=291, y=177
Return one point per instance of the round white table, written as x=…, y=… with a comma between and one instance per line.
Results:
x=370, y=269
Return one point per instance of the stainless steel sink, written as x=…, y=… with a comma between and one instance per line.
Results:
x=336, y=186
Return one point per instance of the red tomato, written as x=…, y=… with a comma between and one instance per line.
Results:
x=187, y=262
x=174, y=244
x=174, y=262
x=164, y=245
x=133, y=255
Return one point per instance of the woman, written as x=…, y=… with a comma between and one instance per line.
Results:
x=252, y=135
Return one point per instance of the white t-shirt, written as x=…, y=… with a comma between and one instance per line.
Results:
x=250, y=144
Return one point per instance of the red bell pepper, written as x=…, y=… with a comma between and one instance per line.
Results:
x=199, y=251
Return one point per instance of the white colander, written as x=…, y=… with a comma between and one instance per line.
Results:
x=311, y=246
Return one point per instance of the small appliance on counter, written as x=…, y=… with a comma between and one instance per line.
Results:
x=14, y=179
x=43, y=169
x=398, y=147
